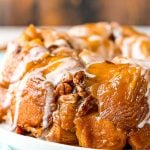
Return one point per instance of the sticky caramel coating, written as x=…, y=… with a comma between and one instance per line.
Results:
x=11, y=60
x=120, y=90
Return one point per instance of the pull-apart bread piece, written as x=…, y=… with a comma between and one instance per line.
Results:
x=139, y=137
x=66, y=88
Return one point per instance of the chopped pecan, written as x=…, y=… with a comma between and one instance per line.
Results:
x=72, y=98
x=63, y=89
x=52, y=47
x=20, y=130
x=50, y=120
x=53, y=107
x=78, y=77
x=81, y=91
x=89, y=103
x=78, y=80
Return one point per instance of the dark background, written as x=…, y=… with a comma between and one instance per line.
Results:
x=71, y=12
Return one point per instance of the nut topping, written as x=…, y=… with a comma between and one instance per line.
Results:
x=88, y=104
x=63, y=89
x=81, y=91
x=78, y=77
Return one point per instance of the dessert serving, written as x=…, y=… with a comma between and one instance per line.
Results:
x=88, y=86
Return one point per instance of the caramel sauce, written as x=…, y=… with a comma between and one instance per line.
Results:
x=103, y=73
x=145, y=48
x=45, y=62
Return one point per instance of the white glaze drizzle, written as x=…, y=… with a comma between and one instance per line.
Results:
x=48, y=101
x=131, y=47
x=126, y=46
x=34, y=54
x=79, y=31
x=136, y=51
x=10, y=94
x=11, y=47
x=69, y=65
x=88, y=57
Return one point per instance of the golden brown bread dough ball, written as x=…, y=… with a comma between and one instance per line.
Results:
x=63, y=128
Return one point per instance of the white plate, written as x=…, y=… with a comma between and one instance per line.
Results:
x=20, y=142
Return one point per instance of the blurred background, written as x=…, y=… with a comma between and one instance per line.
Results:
x=72, y=12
